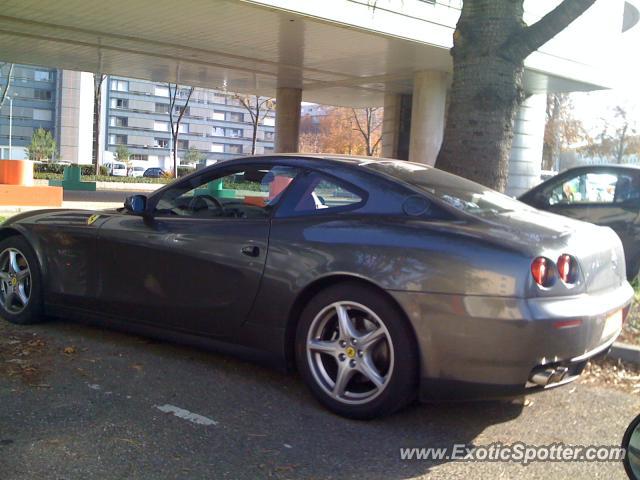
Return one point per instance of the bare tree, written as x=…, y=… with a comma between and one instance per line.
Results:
x=258, y=108
x=490, y=44
x=175, y=122
x=7, y=84
x=617, y=140
x=98, y=79
x=368, y=123
x=561, y=129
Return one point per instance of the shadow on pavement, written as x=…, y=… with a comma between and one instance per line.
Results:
x=98, y=413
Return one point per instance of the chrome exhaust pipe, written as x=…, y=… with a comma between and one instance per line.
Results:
x=549, y=376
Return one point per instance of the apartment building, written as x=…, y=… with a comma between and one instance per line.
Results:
x=31, y=103
x=215, y=123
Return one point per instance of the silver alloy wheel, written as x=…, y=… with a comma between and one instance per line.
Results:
x=15, y=280
x=350, y=352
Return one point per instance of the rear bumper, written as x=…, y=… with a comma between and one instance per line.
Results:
x=483, y=347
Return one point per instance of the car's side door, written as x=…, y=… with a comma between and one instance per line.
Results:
x=608, y=197
x=194, y=262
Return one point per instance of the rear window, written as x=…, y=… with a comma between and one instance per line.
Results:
x=465, y=195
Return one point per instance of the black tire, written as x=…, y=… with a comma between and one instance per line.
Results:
x=32, y=312
x=400, y=387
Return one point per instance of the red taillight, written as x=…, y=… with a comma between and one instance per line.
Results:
x=542, y=271
x=567, y=268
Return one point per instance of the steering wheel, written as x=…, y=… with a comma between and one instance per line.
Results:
x=205, y=202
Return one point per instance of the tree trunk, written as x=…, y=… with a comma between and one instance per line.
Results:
x=97, y=94
x=491, y=42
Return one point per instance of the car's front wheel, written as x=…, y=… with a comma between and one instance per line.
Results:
x=20, y=289
x=356, y=352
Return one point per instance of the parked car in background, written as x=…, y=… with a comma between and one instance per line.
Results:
x=607, y=195
x=153, y=172
x=380, y=280
x=116, y=169
x=136, y=171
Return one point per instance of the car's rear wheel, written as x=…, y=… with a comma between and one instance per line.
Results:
x=356, y=352
x=20, y=288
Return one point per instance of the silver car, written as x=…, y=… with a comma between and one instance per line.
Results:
x=380, y=281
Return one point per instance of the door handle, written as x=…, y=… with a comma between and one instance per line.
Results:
x=251, y=250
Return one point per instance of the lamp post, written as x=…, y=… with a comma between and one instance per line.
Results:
x=10, y=125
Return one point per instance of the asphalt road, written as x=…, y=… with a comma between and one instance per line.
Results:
x=79, y=402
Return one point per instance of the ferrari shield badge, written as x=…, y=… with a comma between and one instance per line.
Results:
x=92, y=219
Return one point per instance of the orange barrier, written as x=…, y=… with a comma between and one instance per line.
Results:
x=16, y=172
x=19, y=195
x=16, y=186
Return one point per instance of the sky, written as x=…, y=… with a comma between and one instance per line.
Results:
x=591, y=107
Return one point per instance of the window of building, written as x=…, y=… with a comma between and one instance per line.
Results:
x=39, y=94
x=217, y=148
x=41, y=76
x=234, y=148
x=217, y=131
x=183, y=93
x=140, y=157
x=269, y=121
x=162, y=142
x=119, y=85
x=219, y=99
x=183, y=128
x=235, y=117
x=162, y=108
x=268, y=150
x=183, y=144
x=178, y=108
x=44, y=115
x=233, y=132
x=161, y=126
x=118, y=139
x=118, y=121
x=119, y=103
x=269, y=136
x=161, y=91
x=217, y=116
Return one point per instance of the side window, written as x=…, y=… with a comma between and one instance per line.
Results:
x=247, y=193
x=595, y=187
x=322, y=194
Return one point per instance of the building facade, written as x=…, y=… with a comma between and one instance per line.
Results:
x=214, y=123
x=31, y=103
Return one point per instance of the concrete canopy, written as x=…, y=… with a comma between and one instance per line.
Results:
x=249, y=46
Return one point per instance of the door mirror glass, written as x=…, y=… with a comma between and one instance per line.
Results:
x=631, y=443
x=136, y=204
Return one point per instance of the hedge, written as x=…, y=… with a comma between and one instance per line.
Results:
x=88, y=170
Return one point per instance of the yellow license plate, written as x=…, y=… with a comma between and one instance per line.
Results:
x=612, y=324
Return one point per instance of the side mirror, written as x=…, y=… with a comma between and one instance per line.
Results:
x=631, y=443
x=136, y=204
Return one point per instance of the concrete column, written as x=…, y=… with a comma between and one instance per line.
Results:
x=287, y=119
x=526, y=152
x=396, y=126
x=391, y=125
x=75, y=112
x=427, y=116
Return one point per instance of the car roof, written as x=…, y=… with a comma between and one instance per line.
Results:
x=603, y=166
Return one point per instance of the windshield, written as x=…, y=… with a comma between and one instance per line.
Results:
x=465, y=195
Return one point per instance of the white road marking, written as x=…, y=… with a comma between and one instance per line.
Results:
x=94, y=386
x=186, y=415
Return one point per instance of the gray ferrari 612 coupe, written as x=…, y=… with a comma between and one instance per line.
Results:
x=381, y=281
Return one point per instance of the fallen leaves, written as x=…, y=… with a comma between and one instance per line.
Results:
x=69, y=350
x=19, y=355
x=615, y=374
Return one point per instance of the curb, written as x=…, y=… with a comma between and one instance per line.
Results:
x=625, y=352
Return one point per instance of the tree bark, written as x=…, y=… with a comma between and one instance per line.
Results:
x=491, y=42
